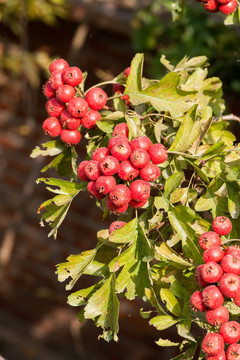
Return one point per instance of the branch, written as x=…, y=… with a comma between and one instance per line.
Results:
x=229, y=117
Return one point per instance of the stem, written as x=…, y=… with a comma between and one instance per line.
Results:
x=101, y=84
x=229, y=240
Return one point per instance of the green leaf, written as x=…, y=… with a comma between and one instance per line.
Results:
x=103, y=307
x=187, y=132
x=128, y=233
x=133, y=122
x=105, y=126
x=187, y=355
x=183, y=195
x=178, y=289
x=79, y=298
x=158, y=130
x=168, y=253
x=177, y=10
x=171, y=302
x=233, y=190
x=183, y=329
x=75, y=267
x=232, y=308
x=233, y=18
x=173, y=182
x=163, y=322
x=218, y=132
x=165, y=342
x=50, y=148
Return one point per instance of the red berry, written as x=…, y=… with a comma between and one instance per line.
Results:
x=212, y=344
x=96, y=98
x=54, y=107
x=231, y=264
x=141, y=142
x=229, y=285
x=211, y=5
x=77, y=107
x=233, y=352
x=116, y=209
x=229, y=8
x=92, y=170
x=120, y=195
x=114, y=140
x=118, y=88
x=48, y=90
x=100, y=154
x=218, y=316
x=224, y=1
x=213, y=254
x=233, y=250
x=91, y=188
x=127, y=171
x=236, y=299
x=150, y=172
x=222, y=225
x=65, y=93
x=137, y=204
x=230, y=331
x=104, y=184
x=211, y=272
x=70, y=122
x=158, y=153
x=109, y=165
x=127, y=71
x=121, y=151
x=196, y=302
x=58, y=65
x=81, y=173
x=52, y=127
x=56, y=79
x=90, y=118
x=121, y=130
x=198, y=276
x=139, y=158
x=72, y=76
x=212, y=296
x=220, y=356
x=115, y=225
x=70, y=136
x=140, y=190
x=209, y=239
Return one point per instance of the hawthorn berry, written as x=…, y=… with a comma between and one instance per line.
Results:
x=65, y=93
x=230, y=331
x=236, y=299
x=140, y=190
x=91, y=188
x=209, y=239
x=90, y=118
x=121, y=151
x=116, y=209
x=150, y=172
x=72, y=76
x=48, y=91
x=120, y=130
x=115, y=225
x=139, y=158
x=222, y=225
x=127, y=171
x=223, y=1
x=109, y=165
x=141, y=142
x=137, y=204
x=218, y=316
x=127, y=71
x=212, y=344
x=212, y=297
x=77, y=107
x=233, y=352
x=52, y=127
x=196, y=301
x=92, y=170
x=81, y=173
x=211, y=5
x=56, y=80
x=233, y=250
x=229, y=285
x=229, y=8
x=158, y=153
x=120, y=195
x=70, y=137
x=116, y=139
x=100, y=153
x=231, y=264
x=96, y=98
x=58, y=65
x=104, y=184
x=213, y=254
x=70, y=122
x=54, y=107
x=198, y=276
x=118, y=88
x=220, y=356
x=211, y=272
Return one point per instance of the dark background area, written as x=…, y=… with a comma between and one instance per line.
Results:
x=35, y=321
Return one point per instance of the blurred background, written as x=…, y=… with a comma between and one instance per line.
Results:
x=101, y=37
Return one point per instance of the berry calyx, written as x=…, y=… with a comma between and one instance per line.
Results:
x=96, y=98
x=222, y=225
x=212, y=344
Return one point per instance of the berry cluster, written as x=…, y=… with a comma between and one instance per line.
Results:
x=219, y=278
x=226, y=7
x=124, y=170
x=68, y=109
